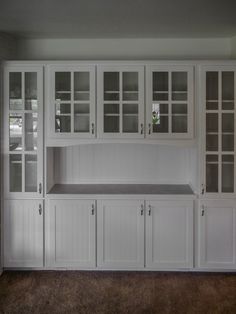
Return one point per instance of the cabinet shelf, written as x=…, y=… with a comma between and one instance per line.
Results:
x=81, y=114
x=111, y=114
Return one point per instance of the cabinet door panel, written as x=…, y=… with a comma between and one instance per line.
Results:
x=120, y=234
x=23, y=233
x=217, y=234
x=71, y=233
x=169, y=229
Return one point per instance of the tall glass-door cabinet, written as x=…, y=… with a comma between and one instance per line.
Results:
x=120, y=91
x=71, y=107
x=169, y=101
x=23, y=132
x=218, y=131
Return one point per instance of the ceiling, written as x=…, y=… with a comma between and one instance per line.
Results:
x=118, y=18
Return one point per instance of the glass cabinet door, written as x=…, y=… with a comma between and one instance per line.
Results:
x=219, y=128
x=73, y=102
x=121, y=101
x=169, y=108
x=23, y=98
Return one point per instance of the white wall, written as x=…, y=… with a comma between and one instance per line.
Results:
x=205, y=48
x=122, y=163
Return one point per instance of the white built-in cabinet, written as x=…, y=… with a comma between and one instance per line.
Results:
x=23, y=233
x=169, y=101
x=120, y=234
x=71, y=233
x=169, y=234
x=23, y=131
x=71, y=101
x=120, y=101
x=217, y=234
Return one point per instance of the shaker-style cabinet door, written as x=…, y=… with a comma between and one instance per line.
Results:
x=169, y=234
x=120, y=91
x=23, y=131
x=71, y=102
x=217, y=129
x=70, y=233
x=217, y=227
x=120, y=234
x=23, y=233
x=169, y=102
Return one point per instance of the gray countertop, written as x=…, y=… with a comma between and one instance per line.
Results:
x=158, y=189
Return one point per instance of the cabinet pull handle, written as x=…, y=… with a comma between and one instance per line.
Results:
x=93, y=209
x=203, y=189
x=40, y=209
x=149, y=210
x=141, y=132
x=92, y=128
x=40, y=188
x=149, y=128
x=203, y=211
x=142, y=210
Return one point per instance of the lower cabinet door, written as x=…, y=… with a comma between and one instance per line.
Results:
x=23, y=233
x=169, y=234
x=217, y=232
x=120, y=234
x=70, y=233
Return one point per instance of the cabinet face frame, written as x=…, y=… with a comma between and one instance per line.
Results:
x=150, y=69
x=100, y=101
x=202, y=131
x=40, y=131
x=51, y=102
x=89, y=208
x=30, y=213
x=155, y=208
x=203, y=211
x=106, y=205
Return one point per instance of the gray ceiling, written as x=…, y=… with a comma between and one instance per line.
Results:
x=118, y=18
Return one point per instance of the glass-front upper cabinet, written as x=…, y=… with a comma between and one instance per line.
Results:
x=71, y=109
x=121, y=101
x=23, y=131
x=218, y=138
x=169, y=101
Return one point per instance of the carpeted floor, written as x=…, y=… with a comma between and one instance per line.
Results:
x=116, y=292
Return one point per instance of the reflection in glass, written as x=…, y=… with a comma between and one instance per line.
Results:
x=130, y=85
x=15, y=91
x=179, y=85
x=111, y=118
x=160, y=118
x=111, y=86
x=63, y=86
x=31, y=91
x=15, y=140
x=62, y=124
x=31, y=131
x=81, y=86
x=212, y=173
x=30, y=173
x=130, y=118
x=160, y=85
x=15, y=173
x=227, y=173
x=63, y=108
x=81, y=117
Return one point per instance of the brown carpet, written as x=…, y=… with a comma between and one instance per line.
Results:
x=116, y=292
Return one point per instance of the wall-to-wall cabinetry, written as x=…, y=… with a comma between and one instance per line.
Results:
x=139, y=168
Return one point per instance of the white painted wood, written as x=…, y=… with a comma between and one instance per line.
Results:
x=219, y=68
x=217, y=234
x=50, y=96
x=100, y=100
x=71, y=233
x=40, y=131
x=122, y=163
x=120, y=234
x=169, y=234
x=23, y=233
x=169, y=68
